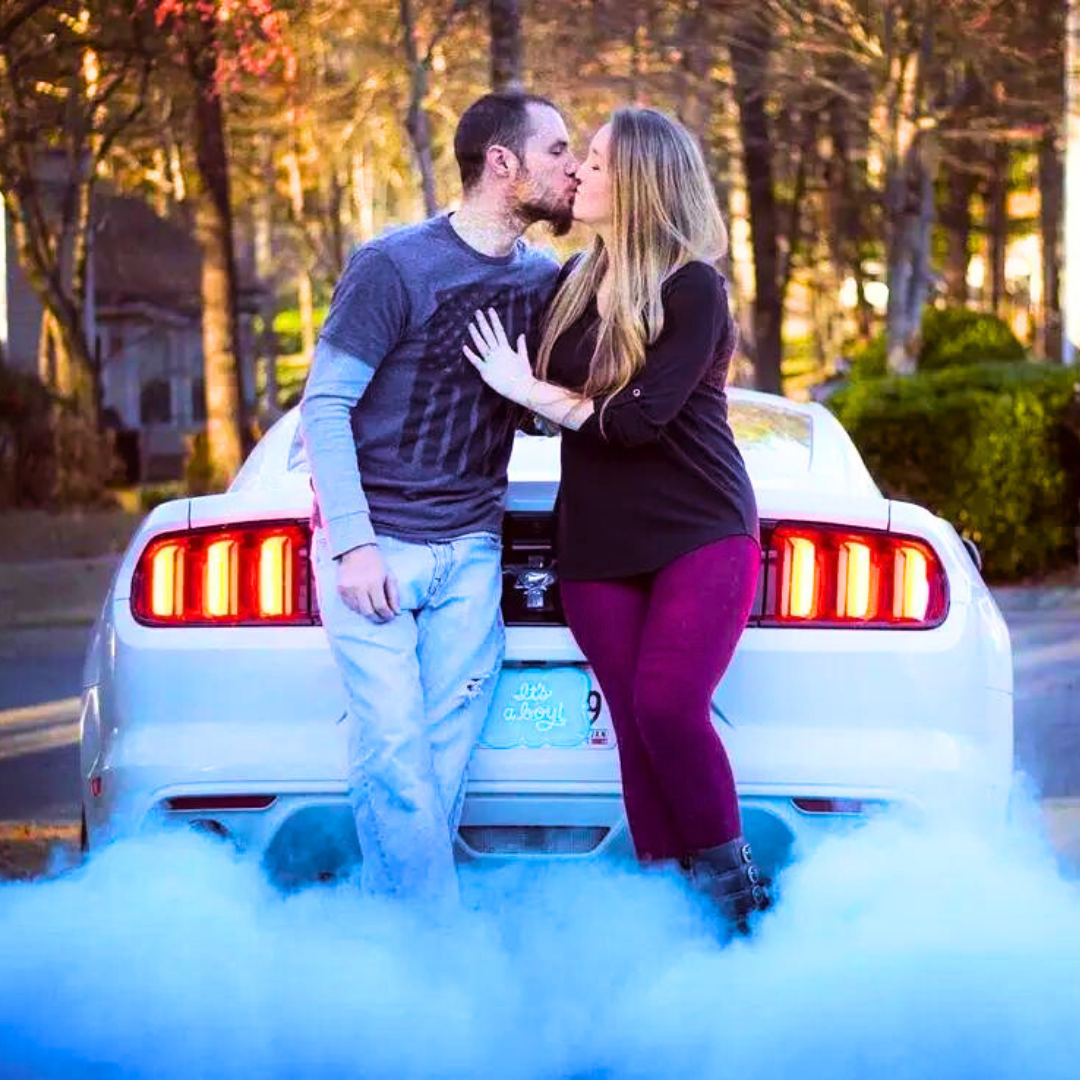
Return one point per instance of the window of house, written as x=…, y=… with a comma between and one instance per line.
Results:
x=155, y=402
x=198, y=400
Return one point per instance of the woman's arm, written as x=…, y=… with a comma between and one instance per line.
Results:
x=559, y=405
x=695, y=316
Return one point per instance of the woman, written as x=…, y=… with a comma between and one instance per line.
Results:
x=657, y=522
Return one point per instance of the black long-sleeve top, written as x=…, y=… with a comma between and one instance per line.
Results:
x=662, y=475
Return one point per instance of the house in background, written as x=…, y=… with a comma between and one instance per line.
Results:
x=145, y=321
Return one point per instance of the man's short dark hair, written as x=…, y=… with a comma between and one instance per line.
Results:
x=500, y=119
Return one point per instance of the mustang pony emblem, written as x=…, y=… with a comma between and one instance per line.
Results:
x=534, y=582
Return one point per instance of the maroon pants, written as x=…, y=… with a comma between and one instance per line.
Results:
x=659, y=644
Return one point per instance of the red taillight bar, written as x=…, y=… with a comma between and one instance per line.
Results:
x=828, y=576
x=243, y=575
x=815, y=576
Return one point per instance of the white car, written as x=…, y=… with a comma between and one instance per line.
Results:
x=876, y=670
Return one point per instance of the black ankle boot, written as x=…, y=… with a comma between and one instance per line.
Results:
x=728, y=876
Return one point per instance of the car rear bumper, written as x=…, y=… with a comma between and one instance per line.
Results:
x=880, y=717
x=788, y=790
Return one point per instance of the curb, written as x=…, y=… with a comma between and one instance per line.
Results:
x=65, y=832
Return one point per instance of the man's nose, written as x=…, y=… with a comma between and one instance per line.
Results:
x=572, y=166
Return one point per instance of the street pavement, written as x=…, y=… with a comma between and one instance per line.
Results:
x=40, y=676
x=40, y=670
x=1045, y=630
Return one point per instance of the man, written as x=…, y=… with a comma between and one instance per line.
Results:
x=408, y=451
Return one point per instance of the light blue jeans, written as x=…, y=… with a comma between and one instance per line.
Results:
x=418, y=690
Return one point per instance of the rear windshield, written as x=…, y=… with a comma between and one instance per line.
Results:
x=776, y=435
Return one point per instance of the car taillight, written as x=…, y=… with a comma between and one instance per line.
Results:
x=827, y=576
x=242, y=575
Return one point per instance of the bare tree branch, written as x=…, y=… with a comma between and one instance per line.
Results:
x=17, y=15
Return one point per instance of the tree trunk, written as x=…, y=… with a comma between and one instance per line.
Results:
x=703, y=108
x=417, y=123
x=335, y=215
x=909, y=202
x=63, y=319
x=506, y=64
x=847, y=186
x=697, y=47
x=1070, y=336
x=306, y=301
x=226, y=427
x=304, y=294
x=637, y=36
x=45, y=250
x=265, y=271
x=962, y=185
x=363, y=195
x=53, y=372
x=749, y=55
x=909, y=262
x=1050, y=210
x=849, y=136
x=998, y=224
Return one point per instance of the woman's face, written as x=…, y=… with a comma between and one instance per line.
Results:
x=592, y=201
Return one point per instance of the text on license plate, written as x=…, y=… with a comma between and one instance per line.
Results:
x=535, y=707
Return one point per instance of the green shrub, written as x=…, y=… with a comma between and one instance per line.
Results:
x=151, y=496
x=869, y=361
x=986, y=446
x=200, y=475
x=951, y=337
x=959, y=337
x=287, y=329
x=51, y=456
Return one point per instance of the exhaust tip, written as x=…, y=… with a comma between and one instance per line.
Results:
x=210, y=827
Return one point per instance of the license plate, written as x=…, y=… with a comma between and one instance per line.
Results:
x=536, y=707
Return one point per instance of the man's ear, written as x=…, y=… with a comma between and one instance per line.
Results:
x=502, y=162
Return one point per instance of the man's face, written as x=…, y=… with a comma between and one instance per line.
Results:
x=546, y=181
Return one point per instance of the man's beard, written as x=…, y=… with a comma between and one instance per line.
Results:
x=560, y=219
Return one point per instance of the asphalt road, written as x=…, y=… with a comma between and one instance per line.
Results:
x=39, y=776
x=1046, y=670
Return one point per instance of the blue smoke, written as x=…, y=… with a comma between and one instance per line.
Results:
x=897, y=951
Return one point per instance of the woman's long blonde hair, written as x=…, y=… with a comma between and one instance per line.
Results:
x=664, y=215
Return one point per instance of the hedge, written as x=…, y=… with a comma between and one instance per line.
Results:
x=991, y=447
x=50, y=455
x=951, y=337
x=288, y=330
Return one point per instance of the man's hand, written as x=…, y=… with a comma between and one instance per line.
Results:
x=367, y=585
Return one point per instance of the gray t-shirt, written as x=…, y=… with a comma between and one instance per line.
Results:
x=432, y=440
